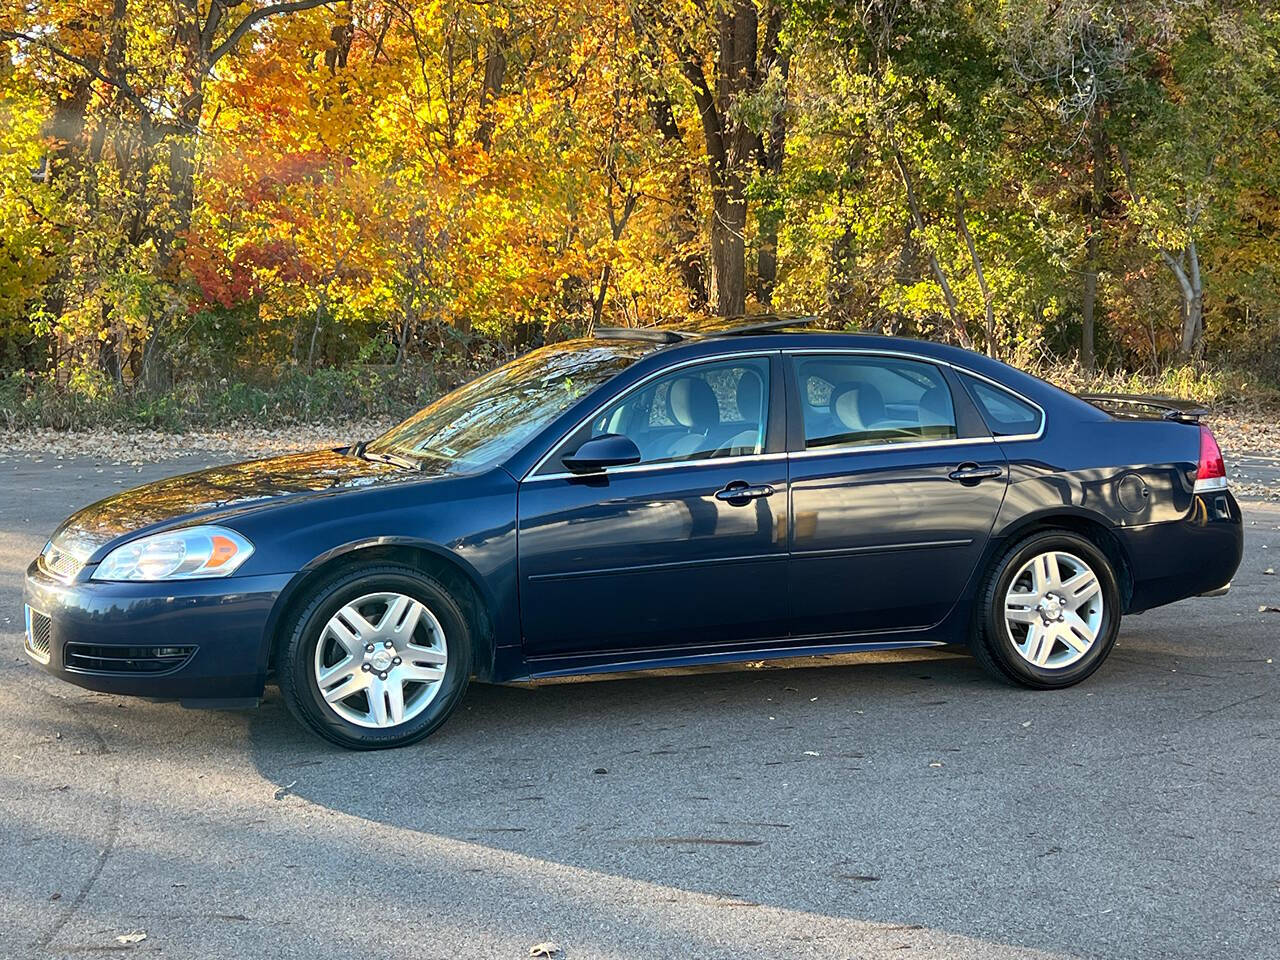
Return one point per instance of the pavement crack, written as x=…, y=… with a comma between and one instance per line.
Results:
x=1210, y=713
x=113, y=832
x=113, y=826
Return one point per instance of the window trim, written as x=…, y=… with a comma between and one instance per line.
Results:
x=775, y=390
x=798, y=441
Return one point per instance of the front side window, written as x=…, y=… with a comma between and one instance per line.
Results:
x=855, y=400
x=715, y=409
x=1006, y=415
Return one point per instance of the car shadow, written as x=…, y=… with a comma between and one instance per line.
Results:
x=912, y=790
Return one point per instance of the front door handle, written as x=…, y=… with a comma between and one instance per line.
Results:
x=971, y=472
x=740, y=492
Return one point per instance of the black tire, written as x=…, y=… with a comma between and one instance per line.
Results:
x=296, y=652
x=990, y=642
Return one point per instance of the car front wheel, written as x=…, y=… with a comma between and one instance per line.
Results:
x=1050, y=611
x=376, y=657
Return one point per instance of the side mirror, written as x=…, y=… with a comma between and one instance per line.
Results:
x=606, y=450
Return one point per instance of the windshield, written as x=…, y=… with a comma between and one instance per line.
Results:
x=483, y=421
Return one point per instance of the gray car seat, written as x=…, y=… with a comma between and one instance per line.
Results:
x=750, y=397
x=856, y=406
x=692, y=404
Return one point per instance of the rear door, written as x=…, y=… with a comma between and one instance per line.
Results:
x=686, y=548
x=895, y=485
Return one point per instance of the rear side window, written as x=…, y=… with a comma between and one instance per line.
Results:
x=1006, y=415
x=855, y=400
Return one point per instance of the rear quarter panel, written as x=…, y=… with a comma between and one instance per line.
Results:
x=1137, y=479
x=1117, y=472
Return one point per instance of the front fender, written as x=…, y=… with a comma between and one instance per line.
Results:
x=467, y=522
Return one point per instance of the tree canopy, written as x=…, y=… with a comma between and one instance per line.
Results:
x=205, y=187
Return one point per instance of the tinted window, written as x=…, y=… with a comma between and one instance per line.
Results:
x=696, y=413
x=853, y=400
x=1005, y=414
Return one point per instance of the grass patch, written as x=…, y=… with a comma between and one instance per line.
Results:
x=293, y=396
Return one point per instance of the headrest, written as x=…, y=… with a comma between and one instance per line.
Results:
x=750, y=393
x=935, y=405
x=692, y=403
x=857, y=405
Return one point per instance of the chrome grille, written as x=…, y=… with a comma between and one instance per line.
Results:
x=60, y=563
x=39, y=629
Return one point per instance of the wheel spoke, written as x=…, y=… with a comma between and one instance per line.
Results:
x=1080, y=589
x=354, y=683
x=351, y=629
x=378, y=702
x=1017, y=614
x=1076, y=633
x=1044, y=572
x=425, y=674
x=395, y=700
x=330, y=675
x=1039, y=644
x=401, y=617
x=428, y=655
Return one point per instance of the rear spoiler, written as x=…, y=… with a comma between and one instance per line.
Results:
x=1134, y=405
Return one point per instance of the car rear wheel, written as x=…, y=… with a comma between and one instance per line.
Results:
x=376, y=657
x=1049, y=612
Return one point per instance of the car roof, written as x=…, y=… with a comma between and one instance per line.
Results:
x=705, y=327
x=773, y=331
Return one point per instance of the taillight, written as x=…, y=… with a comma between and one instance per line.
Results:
x=1212, y=474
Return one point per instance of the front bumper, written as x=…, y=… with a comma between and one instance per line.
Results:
x=211, y=635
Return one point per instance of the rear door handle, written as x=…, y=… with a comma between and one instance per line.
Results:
x=970, y=472
x=740, y=492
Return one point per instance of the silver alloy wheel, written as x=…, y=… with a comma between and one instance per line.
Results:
x=1053, y=610
x=381, y=660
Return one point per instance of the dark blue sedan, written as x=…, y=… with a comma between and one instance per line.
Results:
x=647, y=498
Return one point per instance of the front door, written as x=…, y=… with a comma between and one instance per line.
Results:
x=688, y=547
x=894, y=491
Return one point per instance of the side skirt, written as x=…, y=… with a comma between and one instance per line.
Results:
x=631, y=660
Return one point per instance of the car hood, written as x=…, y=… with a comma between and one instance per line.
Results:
x=217, y=493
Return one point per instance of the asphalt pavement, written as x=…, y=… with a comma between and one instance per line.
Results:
x=864, y=807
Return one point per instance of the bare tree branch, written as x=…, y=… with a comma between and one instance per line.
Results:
x=86, y=65
x=247, y=24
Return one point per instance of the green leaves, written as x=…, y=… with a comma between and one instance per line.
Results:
x=368, y=183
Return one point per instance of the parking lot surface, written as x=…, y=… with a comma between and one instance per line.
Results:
x=843, y=807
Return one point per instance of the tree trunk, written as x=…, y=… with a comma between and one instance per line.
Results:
x=495, y=71
x=840, y=280
x=1088, y=303
x=602, y=291
x=1093, y=246
x=771, y=150
x=1187, y=272
x=736, y=33
x=987, y=306
x=729, y=249
x=957, y=321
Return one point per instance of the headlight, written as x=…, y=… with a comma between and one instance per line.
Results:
x=186, y=554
